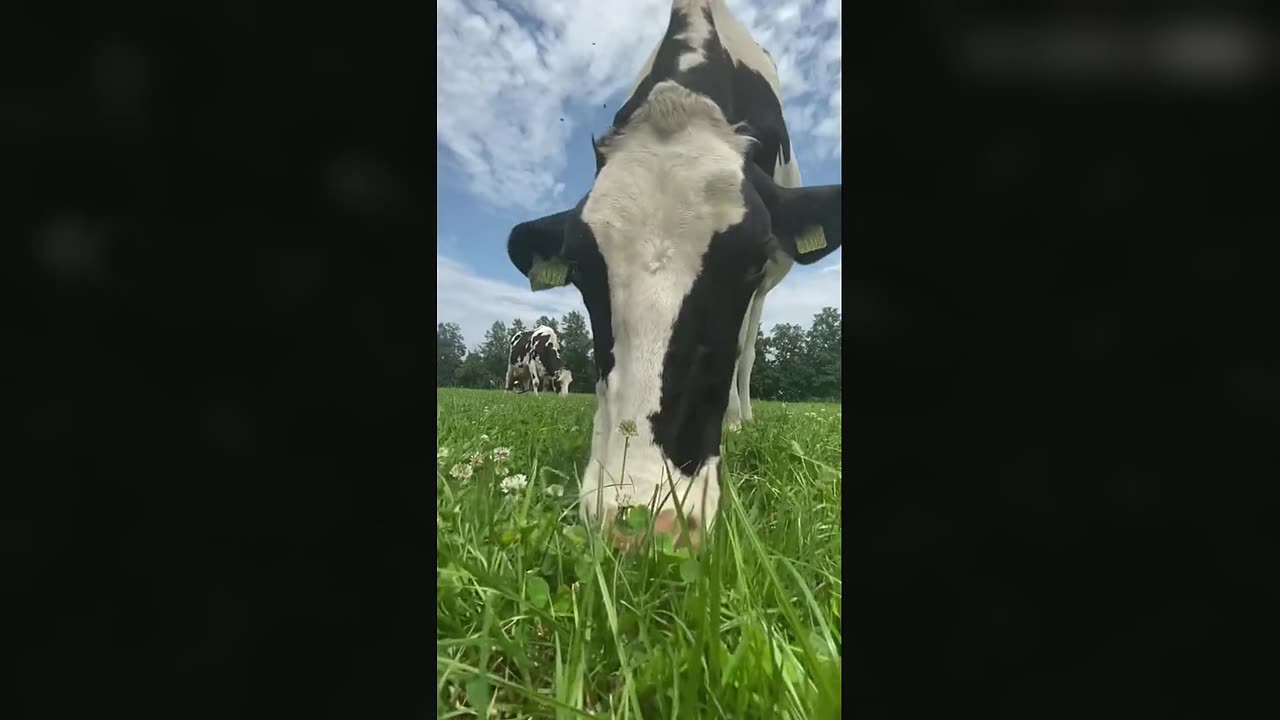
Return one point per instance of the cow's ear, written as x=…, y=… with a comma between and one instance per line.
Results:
x=806, y=220
x=535, y=248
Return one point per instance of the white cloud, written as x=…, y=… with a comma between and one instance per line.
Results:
x=801, y=295
x=827, y=132
x=475, y=302
x=505, y=78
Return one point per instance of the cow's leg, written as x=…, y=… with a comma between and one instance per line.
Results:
x=506, y=386
x=747, y=360
x=739, y=410
x=733, y=413
x=533, y=377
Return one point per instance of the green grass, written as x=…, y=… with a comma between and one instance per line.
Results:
x=538, y=618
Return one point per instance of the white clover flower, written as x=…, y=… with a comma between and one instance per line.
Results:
x=462, y=471
x=554, y=491
x=514, y=483
x=484, y=438
x=501, y=470
x=627, y=428
x=477, y=459
x=442, y=453
x=501, y=454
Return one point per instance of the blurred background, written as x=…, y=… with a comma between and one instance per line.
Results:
x=1063, y=273
x=219, y=213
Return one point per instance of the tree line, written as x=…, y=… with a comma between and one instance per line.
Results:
x=792, y=364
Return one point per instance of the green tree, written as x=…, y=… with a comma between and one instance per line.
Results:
x=794, y=372
x=549, y=322
x=472, y=373
x=517, y=326
x=450, y=350
x=825, y=350
x=495, y=353
x=575, y=350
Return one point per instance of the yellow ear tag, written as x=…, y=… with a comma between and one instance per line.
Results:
x=546, y=274
x=812, y=239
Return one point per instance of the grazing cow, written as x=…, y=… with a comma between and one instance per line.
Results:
x=695, y=213
x=535, y=362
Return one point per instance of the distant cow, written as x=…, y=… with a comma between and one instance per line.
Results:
x=695, y=213
x=535, y=363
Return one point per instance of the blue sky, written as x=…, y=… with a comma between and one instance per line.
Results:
x=508, y=72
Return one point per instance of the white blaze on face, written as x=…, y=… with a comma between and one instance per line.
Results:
x=672, y=181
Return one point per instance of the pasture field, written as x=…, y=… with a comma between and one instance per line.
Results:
x=537, y=618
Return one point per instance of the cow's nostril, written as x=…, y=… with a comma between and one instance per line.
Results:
x=668, y=523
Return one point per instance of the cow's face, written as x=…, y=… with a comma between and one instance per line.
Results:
x=563, y=379
x=667, y=249
x=520, y=377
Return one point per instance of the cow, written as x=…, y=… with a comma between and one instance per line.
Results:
x=535, y=362
x=696, y=212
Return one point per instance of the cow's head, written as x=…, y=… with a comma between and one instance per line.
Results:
x=667, y=250
x=520, y=377
x=562, y=381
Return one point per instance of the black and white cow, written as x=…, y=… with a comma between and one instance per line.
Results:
x=535, y=362
x=696, y=212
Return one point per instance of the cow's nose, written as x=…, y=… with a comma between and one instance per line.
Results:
x=667, y=523
x=687, y=533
